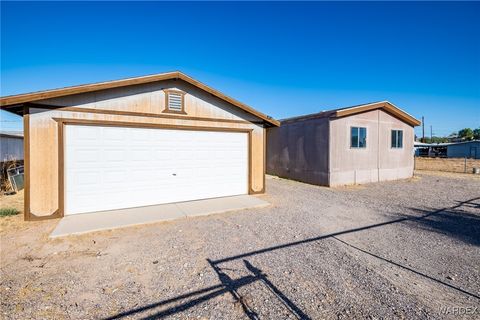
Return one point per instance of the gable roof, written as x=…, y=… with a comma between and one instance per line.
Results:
x=8, y=102
x=348, y=111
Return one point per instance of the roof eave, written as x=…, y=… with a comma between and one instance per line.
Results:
x=386, y=105
x=60, y=92
x=7, y=101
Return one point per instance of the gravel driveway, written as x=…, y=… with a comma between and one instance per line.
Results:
x=404, y=249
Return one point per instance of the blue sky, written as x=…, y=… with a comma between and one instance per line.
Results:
x=283, y=59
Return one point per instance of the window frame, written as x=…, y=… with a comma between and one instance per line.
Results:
x=167, y=93
x=358, y=140
x=396, y=146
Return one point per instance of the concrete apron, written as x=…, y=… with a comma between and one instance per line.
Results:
x=105, y=220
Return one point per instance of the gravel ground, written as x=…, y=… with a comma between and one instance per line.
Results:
x=403, y=249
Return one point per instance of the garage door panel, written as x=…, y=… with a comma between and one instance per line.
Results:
x=88, y=178
x=114, y=155
x=113, y=134
x=141, y=136
x=141, y=155
x=115, y=177
x=83, y=180
x=162, y=154
x=110, y=168
x=88, y=133
x=86, y=155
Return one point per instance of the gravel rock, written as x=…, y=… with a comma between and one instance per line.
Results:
x=401, y=249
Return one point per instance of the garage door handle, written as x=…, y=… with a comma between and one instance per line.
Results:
x=174, y=174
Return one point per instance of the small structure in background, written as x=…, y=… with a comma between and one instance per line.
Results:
x=11, y=146
x=464, y=149
x=11, y=161
x=431, y=150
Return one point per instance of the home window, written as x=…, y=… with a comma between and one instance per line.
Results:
x=174, y=101
x=397, y=139
x=358, y=137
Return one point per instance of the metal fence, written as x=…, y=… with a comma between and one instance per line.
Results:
x=460, y=165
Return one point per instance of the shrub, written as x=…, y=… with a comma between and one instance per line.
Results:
x=8, y=212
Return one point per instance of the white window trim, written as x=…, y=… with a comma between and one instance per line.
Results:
x=350, y=138
x=396, y=139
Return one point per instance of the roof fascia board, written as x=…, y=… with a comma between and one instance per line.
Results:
x=54, y=93
x=387, y=106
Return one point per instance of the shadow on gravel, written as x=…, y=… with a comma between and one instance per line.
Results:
x=228, y=285
x=231, y=286
x=457, y=223
x=408, y=269
x=330, y=235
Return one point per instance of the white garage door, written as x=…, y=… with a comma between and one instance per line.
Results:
x=110, y=168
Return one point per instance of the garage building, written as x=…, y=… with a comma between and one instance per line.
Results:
x=359, y=144
x=137, y=142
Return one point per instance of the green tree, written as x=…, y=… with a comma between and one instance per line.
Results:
x=466, y=134
x=476, y=134
x=436, y=139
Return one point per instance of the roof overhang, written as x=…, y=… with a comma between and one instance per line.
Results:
x=384, y=105
x=349, y=111
x=11, y=135
x=15, y=103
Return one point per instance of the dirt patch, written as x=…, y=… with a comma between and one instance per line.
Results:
x=12, y=223
x=400, y=249
x=453, y=175
x=12, y=201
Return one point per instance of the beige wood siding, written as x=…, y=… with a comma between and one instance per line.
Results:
x=43, y=145
x=150, y=98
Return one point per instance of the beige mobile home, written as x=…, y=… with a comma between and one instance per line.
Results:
x=360, y=144
x=136, y=142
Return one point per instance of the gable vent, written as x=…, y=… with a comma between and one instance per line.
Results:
x=174, y=101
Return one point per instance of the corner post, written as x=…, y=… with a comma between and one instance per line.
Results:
x=26, y=163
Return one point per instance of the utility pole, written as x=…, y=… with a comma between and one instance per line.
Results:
x=423, y=130
x=431, y=134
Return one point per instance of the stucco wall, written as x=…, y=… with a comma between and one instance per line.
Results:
x=395, y=163
x=144, y=99
x=378, y=161
x=299, y=151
